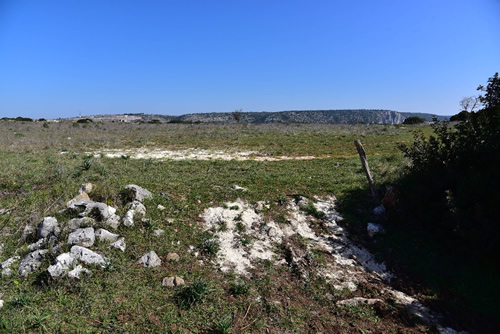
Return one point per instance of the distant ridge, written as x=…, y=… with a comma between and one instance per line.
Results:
x=343, y=116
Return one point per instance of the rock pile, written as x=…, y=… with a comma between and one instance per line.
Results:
x=91, y=223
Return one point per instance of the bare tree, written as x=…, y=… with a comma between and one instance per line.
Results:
x=237, y=115
x=470, y=104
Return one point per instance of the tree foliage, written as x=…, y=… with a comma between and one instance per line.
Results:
x=452, y=183
x=491, y=98
x=414, y=120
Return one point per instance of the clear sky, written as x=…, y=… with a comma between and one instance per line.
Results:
x=62, y=58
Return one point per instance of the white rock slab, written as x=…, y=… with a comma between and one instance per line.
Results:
x=87, y=256
x=84, y=237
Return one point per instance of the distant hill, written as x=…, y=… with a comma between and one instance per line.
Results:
x=345, y=116
x=309, y=116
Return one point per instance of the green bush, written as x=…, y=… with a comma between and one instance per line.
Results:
x=414, y=120
x=451, y=186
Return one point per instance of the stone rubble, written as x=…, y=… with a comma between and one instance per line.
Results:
x=136, y=193
x=119, y=244
x=373, y=229
x=172, y=281
x=5, y=265
x=87, y=256
x=48, y=227
x=32, y=262
x=150, y=260
x=104, y=235
x=63, y=264
x=84, y=237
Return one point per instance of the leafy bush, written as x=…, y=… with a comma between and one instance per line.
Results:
x=451, y=186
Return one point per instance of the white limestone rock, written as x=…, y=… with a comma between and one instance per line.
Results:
x=138, y=207
x=128, y=219
x=5, y=265
x=158, y=232
x=104, y=235
x=87, y=256
x=137, y=193
x=63, y=264
x=374, y=229
x=76, y=223
x=84, y=237
x=48, y=227
x=32, y=262
x=113, y=221
x=119, y=244
x=77, y=271
x=150, y=260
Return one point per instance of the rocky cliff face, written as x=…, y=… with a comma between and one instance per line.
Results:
x=302, y=116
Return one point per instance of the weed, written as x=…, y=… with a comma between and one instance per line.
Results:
x=211, y=247
x=240, y=227
x=222, y=326
x=22, y=299
x=37, y=320
x=246, y=240
x=313, y=211
x=239, y=289
x=192, y=294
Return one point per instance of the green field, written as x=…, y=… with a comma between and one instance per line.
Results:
x=42, y=167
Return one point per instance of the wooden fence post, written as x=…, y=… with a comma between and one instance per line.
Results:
x=364, y=162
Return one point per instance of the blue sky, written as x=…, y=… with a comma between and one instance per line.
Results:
x=62, y=58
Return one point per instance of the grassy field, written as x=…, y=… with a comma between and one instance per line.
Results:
x=42, y=166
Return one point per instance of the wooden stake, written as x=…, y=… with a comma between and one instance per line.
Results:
x=364, y=162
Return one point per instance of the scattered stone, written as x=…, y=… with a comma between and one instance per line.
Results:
x=158, y=232
x=161, y=207
x=76, y=223
x=5, y=265
x=87, y=256
x=374, y=229
x=379, y=210
x=55, y=250
x=63, y=263
x=86, y=188
x=113, y=221
x=150, y=260
x=172, y=281
x=84, y=237
x=134, y=192
x=104, y=235
x=138, y=207
x=48, y=227
x=302, y=202
x=31, y=262
x=391, y=197
x=97, y=210
x=260, y=206
x=1, y=303
x=272, y=232
x=172, y=257
x=119, y=244
x=77, y=271
x=28, y=233
x=359, y=300
x=237, y=187
x=37, y=245
x=4, y=211
x=79, y=197
x=1, y=248
x=128, y=219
